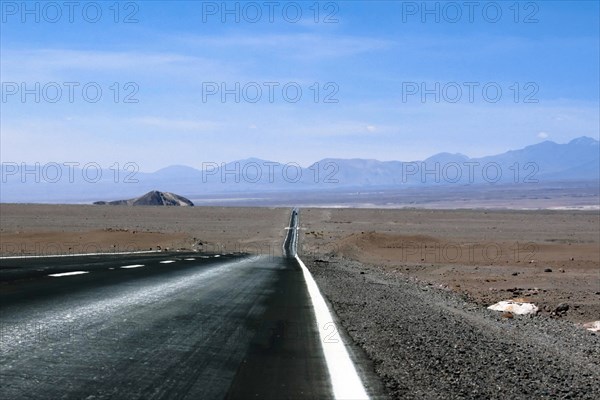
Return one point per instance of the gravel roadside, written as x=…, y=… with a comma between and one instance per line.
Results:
x=429, y=343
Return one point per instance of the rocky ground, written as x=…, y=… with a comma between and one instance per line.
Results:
x=430, y=343
x=549, y=258
x=394, y=279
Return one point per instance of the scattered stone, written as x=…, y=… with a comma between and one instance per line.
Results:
x=548, y=270
x=520, y=300
x=593, y=326
x=515, y=273
x=515, y=307
x=562, y=271
x=532, y=292
x=508, y=315
x=521, y=358
x=561, y=308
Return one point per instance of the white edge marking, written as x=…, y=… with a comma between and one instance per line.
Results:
x=68, y=274
x=167, y=261
x=132, y=266
x=81, y=254
x=344, y=378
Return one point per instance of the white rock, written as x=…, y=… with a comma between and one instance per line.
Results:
x=592, y=326
x=514, y=307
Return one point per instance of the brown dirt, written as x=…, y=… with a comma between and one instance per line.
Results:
x=65, y=229
x=488, y=255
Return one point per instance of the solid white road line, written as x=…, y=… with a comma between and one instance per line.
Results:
x=346, y=383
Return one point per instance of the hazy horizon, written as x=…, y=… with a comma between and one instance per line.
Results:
x=379, y=80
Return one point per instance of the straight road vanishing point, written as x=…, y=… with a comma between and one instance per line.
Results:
x=172, y=326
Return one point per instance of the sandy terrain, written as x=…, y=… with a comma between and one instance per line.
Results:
x=488, y=255
x=66, y=229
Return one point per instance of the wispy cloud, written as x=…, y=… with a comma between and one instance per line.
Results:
x=172, y=124
x=300, y=45
x=35, y=64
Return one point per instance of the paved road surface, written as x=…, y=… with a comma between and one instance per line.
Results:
x=160, y=325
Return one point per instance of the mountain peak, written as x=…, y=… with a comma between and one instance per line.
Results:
x=447, y=157
x=152, y=198
x=584, y=141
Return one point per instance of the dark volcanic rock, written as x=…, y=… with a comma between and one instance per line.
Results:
x=153, y=198
x=562, y=308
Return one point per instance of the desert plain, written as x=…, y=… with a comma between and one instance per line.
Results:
x=547, y=257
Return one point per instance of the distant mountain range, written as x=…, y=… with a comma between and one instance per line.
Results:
x=545, y=162
x=153, y=198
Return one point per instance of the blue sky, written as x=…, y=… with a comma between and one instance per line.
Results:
x=374, y=59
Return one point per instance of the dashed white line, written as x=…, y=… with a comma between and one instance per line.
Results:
x=167, y=261
x=15, y=338
x=190, y=259
x=132, y=266
x=68, y=274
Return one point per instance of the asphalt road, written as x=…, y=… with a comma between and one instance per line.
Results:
x=154, y=326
